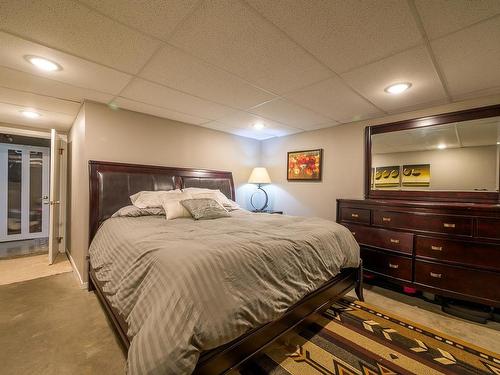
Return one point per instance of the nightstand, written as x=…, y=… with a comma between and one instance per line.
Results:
x=269, y=212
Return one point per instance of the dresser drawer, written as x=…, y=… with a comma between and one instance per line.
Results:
x=357, y=215
x=467, y=253
x=488, y=228
x=389, y=265
x=465, y=281
x=383, y=238
x=460, y=225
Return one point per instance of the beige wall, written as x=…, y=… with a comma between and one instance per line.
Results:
x=465, y=168
x=343, y=167
x=126, y=136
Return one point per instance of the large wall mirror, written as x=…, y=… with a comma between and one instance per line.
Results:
x=452, y=157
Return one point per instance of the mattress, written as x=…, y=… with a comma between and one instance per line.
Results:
x=186, y=286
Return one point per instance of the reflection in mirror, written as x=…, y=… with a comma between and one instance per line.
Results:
x=461, y=156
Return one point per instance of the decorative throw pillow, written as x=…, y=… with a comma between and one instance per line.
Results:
x=146, y=199
x=213, y=194
x=133, y=211
x=204, y=208
x=174, y=209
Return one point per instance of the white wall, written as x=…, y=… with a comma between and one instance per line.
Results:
x=343, y=167
x=465, y=168
x=101, y=133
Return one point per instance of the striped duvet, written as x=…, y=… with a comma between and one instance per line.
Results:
x=187, y=286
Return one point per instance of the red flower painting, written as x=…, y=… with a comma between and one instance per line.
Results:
x=304, y=165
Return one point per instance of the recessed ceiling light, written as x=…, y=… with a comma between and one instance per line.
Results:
x=29, y=113
x=43, y=63
x=397, y=88
x=441, y=146
x=498, y=143
x=258, y=125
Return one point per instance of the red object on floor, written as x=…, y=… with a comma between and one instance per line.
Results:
x=409, y=290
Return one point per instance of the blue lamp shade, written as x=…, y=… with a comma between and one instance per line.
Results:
x=259, y=176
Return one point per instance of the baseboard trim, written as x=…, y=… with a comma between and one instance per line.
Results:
x=83, y=284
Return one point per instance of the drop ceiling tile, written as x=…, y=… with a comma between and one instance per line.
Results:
x=45, y=103
x=153, y=17
x=246, y=121
x=10, y=114
x=151, y=93
x=15, y=79
x=444, y=17
x=249, y=132
x=344, y=34
x=158, y=111
x=181, y=71
x=333, y=98
x=414, y=66
x=75, y=71
x=290, y=114
x=70, y=26
x=230, y=35
x=470, y=58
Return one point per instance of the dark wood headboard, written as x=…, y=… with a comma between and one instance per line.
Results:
x=111, y=185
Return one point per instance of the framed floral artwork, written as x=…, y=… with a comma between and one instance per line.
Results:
x=304, y=165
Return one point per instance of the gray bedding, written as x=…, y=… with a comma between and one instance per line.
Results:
x=187, y=286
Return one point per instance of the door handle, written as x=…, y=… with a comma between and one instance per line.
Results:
x=54, y=202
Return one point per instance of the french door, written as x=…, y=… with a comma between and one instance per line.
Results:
x=24, y=190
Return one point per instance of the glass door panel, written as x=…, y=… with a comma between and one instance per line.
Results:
x=36, y=195
x=14, y=180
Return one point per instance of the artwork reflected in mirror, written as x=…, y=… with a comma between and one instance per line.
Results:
x=417, y=175
x=304, y=165
x=387, y=177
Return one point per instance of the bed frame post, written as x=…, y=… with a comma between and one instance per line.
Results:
x=359, y=282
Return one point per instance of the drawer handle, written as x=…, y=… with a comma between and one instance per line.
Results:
x=394, y=240
x=354, y=215
x=436, y=275
x=437, y=248
x=448, y=225
x=353, y=233
x=387, y=219
x=395, y=266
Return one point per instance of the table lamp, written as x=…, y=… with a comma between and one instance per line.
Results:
x=259, y=176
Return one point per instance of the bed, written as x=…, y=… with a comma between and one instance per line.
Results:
x=252, y=244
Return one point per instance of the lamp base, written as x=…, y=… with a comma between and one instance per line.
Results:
x=265, y=203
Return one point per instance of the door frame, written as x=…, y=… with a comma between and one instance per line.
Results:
x=45, y=133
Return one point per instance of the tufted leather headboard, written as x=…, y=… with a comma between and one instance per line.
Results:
x=111, y=185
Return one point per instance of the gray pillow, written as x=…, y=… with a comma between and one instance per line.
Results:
x=133, y=211
x=204, y=208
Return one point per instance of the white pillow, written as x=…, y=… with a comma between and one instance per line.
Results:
x=213, y=194
x=148, y=199
x=172, y=207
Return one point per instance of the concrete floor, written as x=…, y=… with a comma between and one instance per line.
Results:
x=51, y=326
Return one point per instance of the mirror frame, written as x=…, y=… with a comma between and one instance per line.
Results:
x=448, y=196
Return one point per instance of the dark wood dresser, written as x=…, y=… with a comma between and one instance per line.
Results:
x=450, y=249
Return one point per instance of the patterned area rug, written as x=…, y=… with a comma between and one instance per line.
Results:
x=355, y=338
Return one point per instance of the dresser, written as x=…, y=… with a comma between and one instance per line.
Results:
x=450, y=249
